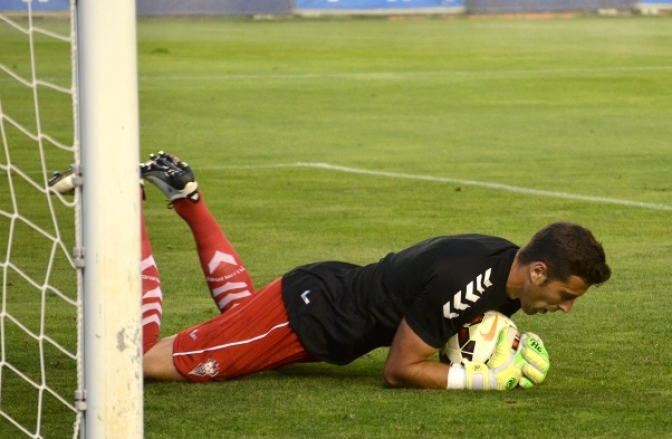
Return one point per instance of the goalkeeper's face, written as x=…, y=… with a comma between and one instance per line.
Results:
x=541, y=295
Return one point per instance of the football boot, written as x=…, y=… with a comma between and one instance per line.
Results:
x=171, y=175
x=63, y=182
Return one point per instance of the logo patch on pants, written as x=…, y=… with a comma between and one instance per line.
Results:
x=210, y=367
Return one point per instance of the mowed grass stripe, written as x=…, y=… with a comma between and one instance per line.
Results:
x=412, y=74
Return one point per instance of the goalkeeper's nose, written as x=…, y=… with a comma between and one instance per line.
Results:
x=567, y=306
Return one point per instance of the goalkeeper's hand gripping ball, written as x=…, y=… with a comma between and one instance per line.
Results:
x=536, y=358
x=503, y=371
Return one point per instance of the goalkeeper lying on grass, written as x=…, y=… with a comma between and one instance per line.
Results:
x=413, y=301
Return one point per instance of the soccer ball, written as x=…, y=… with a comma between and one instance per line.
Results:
x=476, y=341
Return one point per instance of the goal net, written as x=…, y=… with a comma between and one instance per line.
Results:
x=70, y=355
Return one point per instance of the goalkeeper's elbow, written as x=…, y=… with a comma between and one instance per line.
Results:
x=393, y=377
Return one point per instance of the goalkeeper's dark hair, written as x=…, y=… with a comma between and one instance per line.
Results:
x=567, y=249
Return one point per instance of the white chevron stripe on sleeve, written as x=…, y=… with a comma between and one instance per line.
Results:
x=470, y=296
x=486, y=281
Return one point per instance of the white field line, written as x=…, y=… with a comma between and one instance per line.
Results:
x=413, y=74
x=484, y=184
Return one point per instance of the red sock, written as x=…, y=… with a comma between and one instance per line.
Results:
x=152, y=298
x=227, y=277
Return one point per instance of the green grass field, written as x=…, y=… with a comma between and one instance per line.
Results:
x=456, y=125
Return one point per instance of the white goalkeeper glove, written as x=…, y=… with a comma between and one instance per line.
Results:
x=537, y=362
x=503, y=371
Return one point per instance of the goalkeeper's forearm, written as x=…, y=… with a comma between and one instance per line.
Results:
x=427, y=374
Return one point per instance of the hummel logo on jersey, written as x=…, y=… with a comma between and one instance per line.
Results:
x=304, y=296
x=458, y=303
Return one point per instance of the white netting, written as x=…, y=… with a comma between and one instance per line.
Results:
x=40, y=312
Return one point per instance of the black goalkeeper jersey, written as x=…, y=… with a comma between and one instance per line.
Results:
x=341, y=311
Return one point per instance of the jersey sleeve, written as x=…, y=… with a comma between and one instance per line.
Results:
x=452, y=298
x=427, y=319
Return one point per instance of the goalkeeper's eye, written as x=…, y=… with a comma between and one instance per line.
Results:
x=566, y=296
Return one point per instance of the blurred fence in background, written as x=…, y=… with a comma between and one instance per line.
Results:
x=213, y=7
x=512, y=6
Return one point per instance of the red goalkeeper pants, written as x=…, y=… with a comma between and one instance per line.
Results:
x=251, y=337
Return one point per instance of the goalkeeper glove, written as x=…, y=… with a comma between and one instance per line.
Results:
x=537, y=362
x=503, y=371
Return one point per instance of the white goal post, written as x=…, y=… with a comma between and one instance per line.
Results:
x=109, y=139
x=70, y=305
